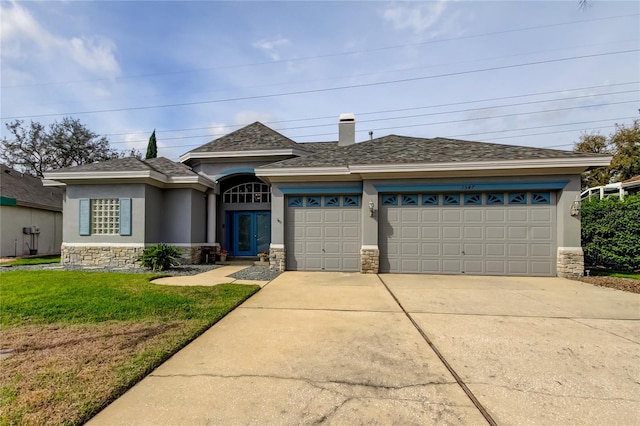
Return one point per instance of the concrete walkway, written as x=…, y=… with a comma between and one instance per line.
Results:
x=209, y=278
x=338, y=348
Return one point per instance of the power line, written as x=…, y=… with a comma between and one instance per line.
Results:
x=329, y=55
x=405, y=80
x=231, y=126
x=408, y=125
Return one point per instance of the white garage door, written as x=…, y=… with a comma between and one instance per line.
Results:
x=322, y=233
x=469, y=233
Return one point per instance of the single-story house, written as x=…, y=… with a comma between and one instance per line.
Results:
x=389, y=204
x=30, y=215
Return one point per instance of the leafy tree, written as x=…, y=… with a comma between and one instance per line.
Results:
x=35, y=149
x=594, y=144
x=623, y=145
x=152, y=148
x=626, y=145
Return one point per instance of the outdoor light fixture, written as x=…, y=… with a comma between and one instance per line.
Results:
x=371, y=208
x=575, y=208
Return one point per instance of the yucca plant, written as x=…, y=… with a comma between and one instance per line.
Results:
x=160, y=257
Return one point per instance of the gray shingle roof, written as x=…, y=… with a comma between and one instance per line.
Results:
x=131, y=164
x=394, y=149
x=28, y=190
x=254, y=137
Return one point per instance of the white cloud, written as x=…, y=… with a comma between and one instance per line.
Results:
x=417, y=17
x=21, y=33
x=270, y=46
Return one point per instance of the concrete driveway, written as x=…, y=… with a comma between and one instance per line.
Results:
x=341, y=348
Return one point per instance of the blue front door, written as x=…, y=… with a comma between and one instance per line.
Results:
x=251, y=233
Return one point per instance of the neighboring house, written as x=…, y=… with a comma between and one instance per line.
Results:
x=30, y=215
x=618, y=189
x=390, y=204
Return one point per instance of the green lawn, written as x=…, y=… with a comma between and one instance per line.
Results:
x=633, y=276
x=80, y=339
x=42, y=260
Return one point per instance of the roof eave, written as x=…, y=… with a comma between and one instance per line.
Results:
x=302, y=171
x=552, y=163
x=235, y=154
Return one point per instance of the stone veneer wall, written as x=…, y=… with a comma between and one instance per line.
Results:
x=570, y=262
x=369, y=260
x=120, y=257
x=117, y=257
x=277, y=259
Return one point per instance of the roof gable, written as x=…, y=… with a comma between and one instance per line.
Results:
x=254, y=137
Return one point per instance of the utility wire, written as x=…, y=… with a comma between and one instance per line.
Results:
x=353, y=86
x=330, y=55
x=409, y=125
x=237, y=126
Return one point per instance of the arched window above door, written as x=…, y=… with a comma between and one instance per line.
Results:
x=248, y=193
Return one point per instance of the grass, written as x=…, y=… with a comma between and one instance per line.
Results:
x=81, y=339
x=631, y=275
x=42, y=260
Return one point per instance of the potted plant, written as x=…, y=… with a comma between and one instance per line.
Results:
x=263, y=255
x=223, y=255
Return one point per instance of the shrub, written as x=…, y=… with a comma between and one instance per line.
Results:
x=160, y=257
x=611, y=232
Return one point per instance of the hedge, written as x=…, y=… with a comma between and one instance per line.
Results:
x=611, y=232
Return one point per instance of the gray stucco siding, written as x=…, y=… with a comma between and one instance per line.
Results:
x=71, y=212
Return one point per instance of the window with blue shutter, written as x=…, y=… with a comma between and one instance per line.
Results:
x=125, y=216
x=84, y=216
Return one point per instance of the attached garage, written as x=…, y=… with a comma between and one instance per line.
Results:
x=479, y=233
x=323, y=233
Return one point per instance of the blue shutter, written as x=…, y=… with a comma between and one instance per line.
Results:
x=84, y=217
x=125, y=216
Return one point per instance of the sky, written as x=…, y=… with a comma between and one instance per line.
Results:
x=537, y=73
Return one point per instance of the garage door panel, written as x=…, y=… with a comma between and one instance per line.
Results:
x=495, y=267
x=497, y=215
x=451, y=232
x=410, y=216
x=541, y=215
x=410, y=266
x=351, y=232
x=517, y=215
x=473, y=266
x=410, y=249
x=312, y=216
x=473, y=215
x=430, y=232
x=515, y=250
x=332, y=232
x=409, y=232
x=431, y=266
x=451, y=249
x=451, y=266
x=495, y=233
x=430, y=215
x=431, y=249
x=495, y=249
x=518, y=267
x=451, y=215
x=541, y=250
x=473, y=249
x=540, y=233
x=473, y=232
x=497, y=238
x=541, y=268
x=517, y=232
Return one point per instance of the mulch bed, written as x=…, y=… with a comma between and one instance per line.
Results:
x=624, y=284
